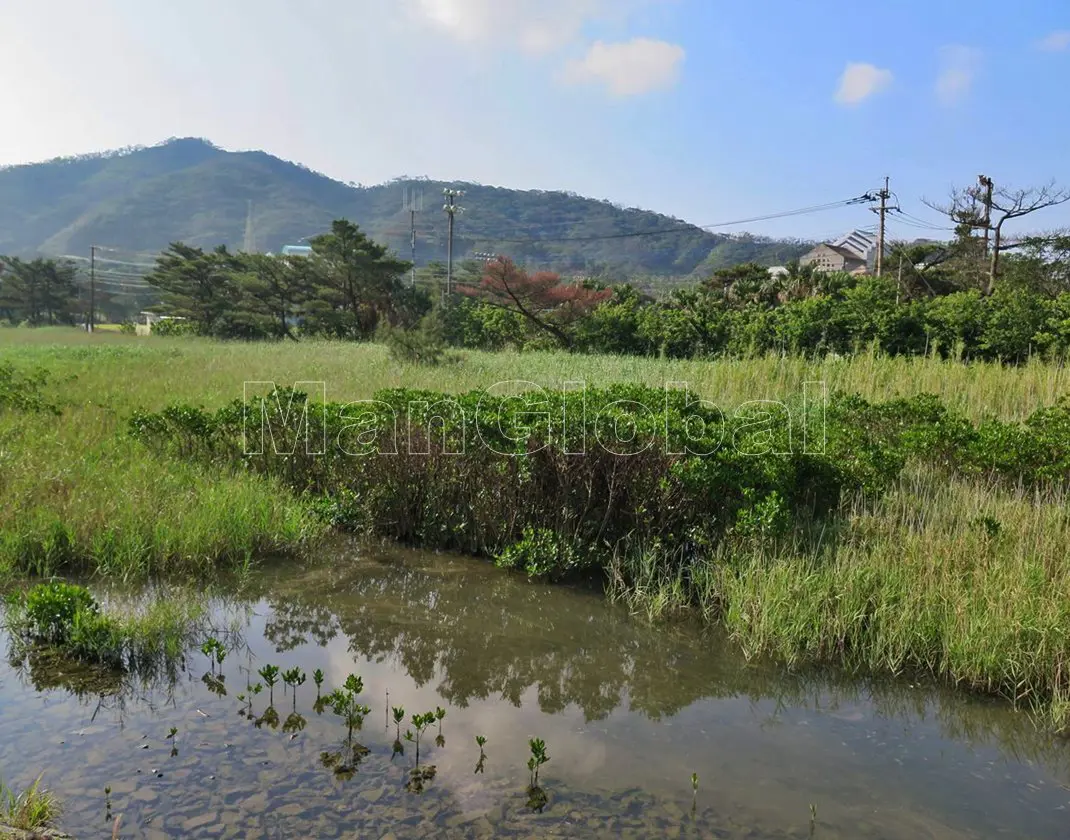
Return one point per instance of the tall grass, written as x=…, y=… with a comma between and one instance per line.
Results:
x=76, y=494
x=968, y=582
x=116, y=372
x=954, y=579
x=32, y=810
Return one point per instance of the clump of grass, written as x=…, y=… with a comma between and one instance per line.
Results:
x=911, y=586
x=33, y=809
x=67, y=618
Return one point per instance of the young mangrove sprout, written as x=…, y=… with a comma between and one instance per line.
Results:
x=480, y=765
x=293, y=678
x=399, y=716
x=344, y=704
x=813, y=818
x=215, y=651
x=317, y=678
x=420, y=723
x=440, y=713
x=538, y=758
x=270, y=675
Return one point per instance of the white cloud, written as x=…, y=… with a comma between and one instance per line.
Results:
x=629, y=68
x=958, y=68
x=861, y=81
x=536, y=26
x=1056, y=41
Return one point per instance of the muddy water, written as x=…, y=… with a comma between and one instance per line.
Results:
x=627, y=712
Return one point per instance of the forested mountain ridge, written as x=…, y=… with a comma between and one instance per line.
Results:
x=141, y=199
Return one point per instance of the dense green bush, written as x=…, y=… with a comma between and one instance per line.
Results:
x=65, y=619
x=493, y=475
x=504, y=476
x=50, y=611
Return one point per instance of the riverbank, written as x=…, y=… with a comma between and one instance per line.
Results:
x=951, y=574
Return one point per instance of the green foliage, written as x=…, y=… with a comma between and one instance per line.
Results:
x=38, y=292
x=171, y=327
x=50, y=610
x=543, y=552
x=538, y=758
x=657, y=463
x=66, y=619
x=424, y=345
x=22, y=392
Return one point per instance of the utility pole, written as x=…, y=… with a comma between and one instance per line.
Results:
x=899, y=280
x=884, y=195
x=92, y=286
x=986, y=182
x=413, y=202
x=451, y=208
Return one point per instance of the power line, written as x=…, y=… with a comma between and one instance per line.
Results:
x=686, y=228
x=922, y=222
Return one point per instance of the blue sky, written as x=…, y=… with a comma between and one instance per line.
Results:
x=707, y=110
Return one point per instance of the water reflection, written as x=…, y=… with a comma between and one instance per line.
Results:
x=479, y=634
x=629, y=712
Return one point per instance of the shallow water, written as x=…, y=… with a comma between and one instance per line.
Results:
x=627, y=712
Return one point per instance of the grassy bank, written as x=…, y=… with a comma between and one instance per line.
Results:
x=947, y=573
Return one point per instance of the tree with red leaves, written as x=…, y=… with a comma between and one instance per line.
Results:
x=540, y=297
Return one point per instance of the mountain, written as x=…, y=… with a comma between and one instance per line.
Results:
x=141, y=199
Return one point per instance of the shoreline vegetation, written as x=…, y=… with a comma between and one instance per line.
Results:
x=928, y=537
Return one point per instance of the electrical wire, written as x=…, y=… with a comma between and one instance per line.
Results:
x=684, y=228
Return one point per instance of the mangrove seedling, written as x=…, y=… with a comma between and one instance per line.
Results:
x=813, y=818
x=399, y=716
x=694, y=791
x=317, y=678
x=440, y=713
x=481, y=741
x=344, y=704
x=270, y=675
x=214, y=650
x=107, y=804
x=293, y=678
x=420, y=723
x=537, y=760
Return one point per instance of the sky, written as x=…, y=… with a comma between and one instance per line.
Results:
x=708, y=110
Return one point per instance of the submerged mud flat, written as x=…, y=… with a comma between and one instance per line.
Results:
x=628, y=713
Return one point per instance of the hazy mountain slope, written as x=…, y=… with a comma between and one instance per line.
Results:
x=189, y=190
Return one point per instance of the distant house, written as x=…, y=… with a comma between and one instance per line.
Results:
x=854, y=253
x=778, y=271
x=296, y=250
x=145, y=320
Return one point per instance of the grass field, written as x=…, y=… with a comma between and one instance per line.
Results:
x=966, y=581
